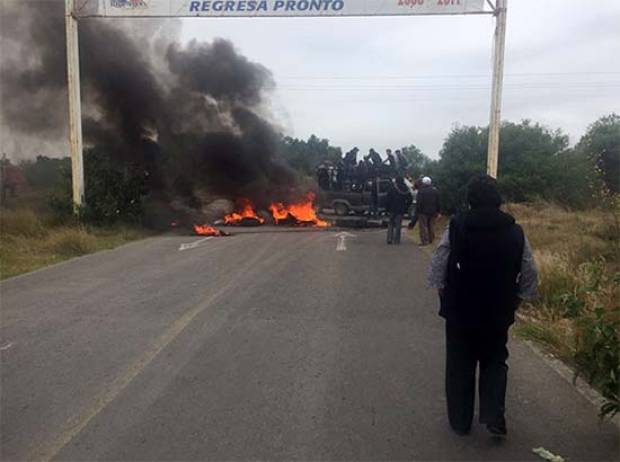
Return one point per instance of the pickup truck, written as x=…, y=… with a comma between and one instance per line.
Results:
x=358, y=202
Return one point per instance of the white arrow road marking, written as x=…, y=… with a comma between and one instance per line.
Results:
x=342, y=240
x=193, y=245
x=6, y=347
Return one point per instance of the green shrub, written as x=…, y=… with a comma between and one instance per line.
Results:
x=597, y=355
x=114, y=192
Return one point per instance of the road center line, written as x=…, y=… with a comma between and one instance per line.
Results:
x=193, y=245
x=342, y=244
x=74, y=426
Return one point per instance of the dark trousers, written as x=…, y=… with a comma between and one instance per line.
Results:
x=414, y=220
x=467, y=348
x=394, y=227
x=427, y=232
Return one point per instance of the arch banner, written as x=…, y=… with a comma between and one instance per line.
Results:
x=257, y=8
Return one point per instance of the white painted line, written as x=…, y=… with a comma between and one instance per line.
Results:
x=193, y=245
x=341, y=246
x=73, y=426
x=6, y=347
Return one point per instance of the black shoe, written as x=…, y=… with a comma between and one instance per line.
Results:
x=497, y=430
x=461, y=431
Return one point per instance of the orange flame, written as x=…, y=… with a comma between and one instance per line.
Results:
x=245, y=210
x=302, y=212
x=206, y=230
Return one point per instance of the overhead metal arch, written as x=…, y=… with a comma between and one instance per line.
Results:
x=76, y=9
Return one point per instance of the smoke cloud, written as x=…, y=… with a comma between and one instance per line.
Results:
x=188, y=114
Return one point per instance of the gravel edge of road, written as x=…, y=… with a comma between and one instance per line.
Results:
x=568, y=374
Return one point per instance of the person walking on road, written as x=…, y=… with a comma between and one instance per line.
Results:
x=398, y=202
x=483, y=268
x=414, y=193
x=427, y=209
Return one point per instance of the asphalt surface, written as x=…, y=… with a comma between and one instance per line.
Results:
x=270, y=346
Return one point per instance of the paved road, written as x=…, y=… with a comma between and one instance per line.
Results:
x=256, y=346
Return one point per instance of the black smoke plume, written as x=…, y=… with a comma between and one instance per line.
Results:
x=188, y=115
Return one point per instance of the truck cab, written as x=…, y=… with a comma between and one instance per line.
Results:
x=357, y=201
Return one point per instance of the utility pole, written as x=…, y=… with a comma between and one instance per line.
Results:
x=498, y=80
x=75, y=106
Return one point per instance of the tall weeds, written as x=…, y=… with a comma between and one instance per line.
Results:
x=28, y=242
x=577, y=313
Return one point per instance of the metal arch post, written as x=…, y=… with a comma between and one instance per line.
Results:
x=75, y=106
x=498, y=80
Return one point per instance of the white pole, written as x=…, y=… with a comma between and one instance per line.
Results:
x=498, y=80
x=75, y=109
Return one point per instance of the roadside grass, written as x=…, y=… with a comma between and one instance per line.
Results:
x=576, y=316
x=577, y=313
x=29, y=241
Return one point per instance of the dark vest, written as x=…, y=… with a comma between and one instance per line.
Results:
x=486, y=249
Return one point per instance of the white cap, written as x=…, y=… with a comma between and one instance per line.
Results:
x=426, y=180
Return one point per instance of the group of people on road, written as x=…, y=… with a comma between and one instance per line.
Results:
x=427, y=208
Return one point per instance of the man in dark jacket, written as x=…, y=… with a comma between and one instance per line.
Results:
x=361, y=175
x=322, y=174
x=375, y=159
x=427, y=209
x=483, y=268
x=391, y=162
x=397, y=203
x=403, y=163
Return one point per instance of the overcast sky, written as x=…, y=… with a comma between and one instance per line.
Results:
x=393, y=81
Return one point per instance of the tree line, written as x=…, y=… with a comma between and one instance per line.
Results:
x=535, y=162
